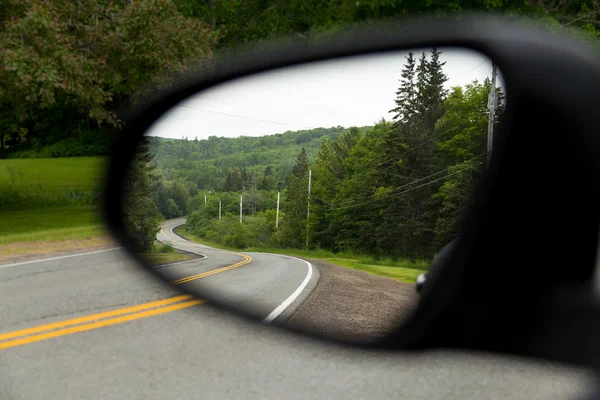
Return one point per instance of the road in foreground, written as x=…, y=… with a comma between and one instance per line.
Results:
x=197, y=352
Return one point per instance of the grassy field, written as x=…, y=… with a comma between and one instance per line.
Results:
x=52, y=175
x=49, y=182
x=403, y=270
x=60, y=222
x=50, y=203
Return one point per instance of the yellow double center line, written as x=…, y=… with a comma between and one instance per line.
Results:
x=95, y=321
x=100, y=320
x=246, y=260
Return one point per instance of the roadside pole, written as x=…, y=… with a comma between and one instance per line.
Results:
x=492, y=115
x=277, y=215
x=308, y=206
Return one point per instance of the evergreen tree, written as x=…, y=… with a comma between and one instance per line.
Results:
x=141, y=216
x=405, y=95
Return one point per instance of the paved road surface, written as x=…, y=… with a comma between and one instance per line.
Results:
x=268, y=286
x=106, y=342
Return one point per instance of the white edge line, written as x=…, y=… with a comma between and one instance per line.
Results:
x=281, y=308
x=287, y=302
x=39, y=260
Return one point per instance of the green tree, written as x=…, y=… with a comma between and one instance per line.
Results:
x=294, y=224
x=406, y=93
x=141, y=216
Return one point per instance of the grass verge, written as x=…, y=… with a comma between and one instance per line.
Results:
x=400, y=269
x=165, y=254
x=52, y=223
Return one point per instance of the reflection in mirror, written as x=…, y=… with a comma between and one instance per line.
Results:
x=315, y=196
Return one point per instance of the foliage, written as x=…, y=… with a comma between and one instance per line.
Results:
x=141, y=215
x=67, y=66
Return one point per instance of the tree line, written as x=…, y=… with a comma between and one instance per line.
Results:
x=67, y=67
x=397, y=188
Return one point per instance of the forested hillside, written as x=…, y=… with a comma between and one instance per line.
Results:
x=394, y=189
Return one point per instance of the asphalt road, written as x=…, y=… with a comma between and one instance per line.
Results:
x=268, y=286
x=80, y=328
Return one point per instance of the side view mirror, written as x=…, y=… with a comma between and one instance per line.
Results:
x=355, y=189
x=438, y=261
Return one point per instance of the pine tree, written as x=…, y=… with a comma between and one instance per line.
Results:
x=141, y=215
x=405, y=95
x=300, y=169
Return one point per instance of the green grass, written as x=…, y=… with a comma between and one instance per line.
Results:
x=401, y=269
x=53, y=175
x=50, y=198
x=48, y=182
x=400, y=273
x=165, y=254
x=166, y=258
x=52, y=223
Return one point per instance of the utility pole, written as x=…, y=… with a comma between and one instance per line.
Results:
x=219, y=209
x=204, y=199
x=277, y=215
x=492, y=114
x=240, y=209
x=308, y=206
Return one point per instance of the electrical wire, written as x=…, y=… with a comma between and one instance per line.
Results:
x=249, y=118
x=332, y=206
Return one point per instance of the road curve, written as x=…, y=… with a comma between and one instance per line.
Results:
x=269, y=286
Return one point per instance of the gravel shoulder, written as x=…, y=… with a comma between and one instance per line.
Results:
x=353, y=305
x=34, y=250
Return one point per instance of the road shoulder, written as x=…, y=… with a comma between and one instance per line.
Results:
x=353, y=305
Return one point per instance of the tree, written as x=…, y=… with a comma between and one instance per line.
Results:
x=141, y=216
x=405, y=95
x=461, y=154
x=268, y=182
x=295, y=208
x=67, y=66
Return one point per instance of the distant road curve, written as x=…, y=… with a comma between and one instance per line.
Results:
x=270, y=286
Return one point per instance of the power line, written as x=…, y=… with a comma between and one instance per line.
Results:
x=433, y=138
x=427, y=141
x=405, y=191
x=332, y=206
x=249, y=118
x=479, y=65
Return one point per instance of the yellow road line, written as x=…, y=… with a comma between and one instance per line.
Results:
x=94, y=317
x=246, y=260
x=98, y=324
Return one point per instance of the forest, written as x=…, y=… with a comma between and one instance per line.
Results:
x=69, y=67
x=395, y=189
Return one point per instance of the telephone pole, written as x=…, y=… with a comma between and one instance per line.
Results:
x=277, y=215
x=308, y=206
x=219, y=209
x=240, y=209
x=492, y=114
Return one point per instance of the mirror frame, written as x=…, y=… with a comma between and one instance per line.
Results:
x=457, y=308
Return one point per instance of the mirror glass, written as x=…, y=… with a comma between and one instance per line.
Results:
x=316, y=196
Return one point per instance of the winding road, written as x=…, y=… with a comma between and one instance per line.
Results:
x=92, y=326
x=268, y=286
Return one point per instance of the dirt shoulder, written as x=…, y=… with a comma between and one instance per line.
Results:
x=355, y=305
x=32, y=250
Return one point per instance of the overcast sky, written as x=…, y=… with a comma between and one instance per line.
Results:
x=355, y=91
